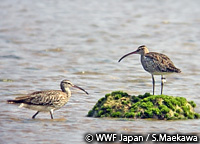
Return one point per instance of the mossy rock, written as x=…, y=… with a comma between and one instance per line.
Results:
x=119, y=104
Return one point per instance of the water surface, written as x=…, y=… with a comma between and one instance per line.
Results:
x=44, y=42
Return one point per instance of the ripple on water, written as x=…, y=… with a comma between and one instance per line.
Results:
x=43, y=42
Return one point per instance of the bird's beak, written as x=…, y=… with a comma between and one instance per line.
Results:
x=135, y=52
x=81, y=89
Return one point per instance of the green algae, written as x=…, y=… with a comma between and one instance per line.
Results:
x=119, y=104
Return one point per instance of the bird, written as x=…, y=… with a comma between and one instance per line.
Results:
x=155, y=63
x=48, y=100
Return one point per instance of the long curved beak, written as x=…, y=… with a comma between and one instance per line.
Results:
x=81, y=89
x=135, y=52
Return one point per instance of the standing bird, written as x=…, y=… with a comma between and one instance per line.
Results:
x=155, y=64
x=46, y=101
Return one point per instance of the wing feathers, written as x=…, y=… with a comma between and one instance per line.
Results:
x=162, y=63
x=42, y=98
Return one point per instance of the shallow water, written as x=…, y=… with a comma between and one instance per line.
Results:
x=44, y=42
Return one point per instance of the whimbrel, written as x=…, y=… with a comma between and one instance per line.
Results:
x=155, y=64
x=46, y=101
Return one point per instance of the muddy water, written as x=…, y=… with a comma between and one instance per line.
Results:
x=43, y=42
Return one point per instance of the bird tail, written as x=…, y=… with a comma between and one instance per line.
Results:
x=178, y=70
x=13, y=101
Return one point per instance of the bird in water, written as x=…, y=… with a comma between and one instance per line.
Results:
x=154, y=63
x=46, y=101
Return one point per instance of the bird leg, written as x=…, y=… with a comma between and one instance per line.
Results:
x=162, y=83
x=153, y=80
x=33, y=117
x=51, y=113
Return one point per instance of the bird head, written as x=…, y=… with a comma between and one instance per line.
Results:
x=67, y=84
x=142, y=50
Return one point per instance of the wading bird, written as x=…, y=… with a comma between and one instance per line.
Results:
x=46, y=101
x=155, y=64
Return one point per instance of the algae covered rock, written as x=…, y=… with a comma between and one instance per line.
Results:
x=119, y=104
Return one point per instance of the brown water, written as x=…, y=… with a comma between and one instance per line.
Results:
x=44, y=42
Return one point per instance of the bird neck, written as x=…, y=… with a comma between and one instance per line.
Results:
x=65, y=90
x=145, y=51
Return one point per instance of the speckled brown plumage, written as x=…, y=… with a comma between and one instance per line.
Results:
x=158, y=64
x=44, y=101
x=54, y=98
x=155, y=63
